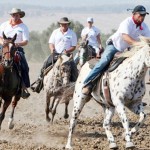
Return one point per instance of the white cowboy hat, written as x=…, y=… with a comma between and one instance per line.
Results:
x=64, y=20
x=16, y=10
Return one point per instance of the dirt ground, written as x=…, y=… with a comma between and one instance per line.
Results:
x=32, y=132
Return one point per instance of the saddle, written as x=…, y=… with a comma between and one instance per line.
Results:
x=104, y=82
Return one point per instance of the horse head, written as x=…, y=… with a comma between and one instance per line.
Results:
x=83, y=55
x=8, y=50
x=64, y=68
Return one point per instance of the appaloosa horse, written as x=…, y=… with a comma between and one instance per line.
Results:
x=127, y=88
x=10, y=81
x=55, y=82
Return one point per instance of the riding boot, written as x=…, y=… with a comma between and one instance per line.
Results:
x=39, y=84
x=24, y=93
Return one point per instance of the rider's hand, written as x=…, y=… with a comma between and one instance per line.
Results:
x=4, y=43
x=65, y=51
x=53, y=51
x=17, y=44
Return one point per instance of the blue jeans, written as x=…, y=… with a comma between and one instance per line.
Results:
x=100, y=67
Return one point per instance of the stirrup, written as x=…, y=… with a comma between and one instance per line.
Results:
x=38, y=87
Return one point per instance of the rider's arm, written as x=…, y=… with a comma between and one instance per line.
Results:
x=22, y=43
x=99, y=41
x=128, y=39
x=52, y=47
x=71, y=49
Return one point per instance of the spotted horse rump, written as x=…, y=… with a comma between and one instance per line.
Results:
x=127, y=88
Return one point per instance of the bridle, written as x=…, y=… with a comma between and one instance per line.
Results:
x=8, y=51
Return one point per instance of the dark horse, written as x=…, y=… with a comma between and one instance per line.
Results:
x=10, y=81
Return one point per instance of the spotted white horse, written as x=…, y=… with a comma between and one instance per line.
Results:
x=55, y=82
x=127, y=88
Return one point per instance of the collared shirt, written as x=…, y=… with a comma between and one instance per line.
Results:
x=91, y=35
x=129, y=27
x=9, y=30
x=63, y=41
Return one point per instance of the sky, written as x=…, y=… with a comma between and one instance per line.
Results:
x=105, y=12
x=75, y=3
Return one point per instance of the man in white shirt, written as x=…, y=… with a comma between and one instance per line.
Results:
x=92, y=35
x=62, y=40
x=127, y=34
x=16, y=26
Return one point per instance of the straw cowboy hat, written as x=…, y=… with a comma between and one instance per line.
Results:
x=64, y=20
x=18, y=11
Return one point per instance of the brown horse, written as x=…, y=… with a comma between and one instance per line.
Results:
x=10, y=81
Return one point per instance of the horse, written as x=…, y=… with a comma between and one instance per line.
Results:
x=86, y=52
x=55, y=82
x=10, y=82
x=126, y=88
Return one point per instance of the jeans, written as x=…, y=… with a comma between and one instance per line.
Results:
x=24, y=68
x=100, y=67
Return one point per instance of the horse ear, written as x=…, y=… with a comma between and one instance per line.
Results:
x=4, y=36
x=14, y=38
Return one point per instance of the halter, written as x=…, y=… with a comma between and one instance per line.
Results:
x=8, y=51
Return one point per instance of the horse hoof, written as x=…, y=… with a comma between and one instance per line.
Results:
x=48, y=119
x=11, y=126
x=69, y=147
x=129, y=145
x=10, y=123
x=66, y=116
x=113, y=146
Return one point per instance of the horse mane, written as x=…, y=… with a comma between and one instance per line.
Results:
x=62, y=59
x=144, y=41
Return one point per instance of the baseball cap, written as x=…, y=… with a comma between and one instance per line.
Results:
x=140, y=9
x=90, y=19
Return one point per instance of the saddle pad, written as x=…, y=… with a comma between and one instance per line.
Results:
x=113, y=65
x=92, y=62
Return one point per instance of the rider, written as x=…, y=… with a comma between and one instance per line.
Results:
x=10, y=28
x=62, y=40
x=93, y=36
x=127, y=34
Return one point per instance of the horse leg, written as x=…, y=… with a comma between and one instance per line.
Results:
x=4, y=108
x=109, y=112
x=47, y=107
x=79, y=102
x=138, y=110
x=66, y=115
x=0, y=102
x=54, y=109
x=52, y=104
x=122, y=114
x=11, y=118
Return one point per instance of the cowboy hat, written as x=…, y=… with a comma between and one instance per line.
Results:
x=18, y=11
x=64, y=20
